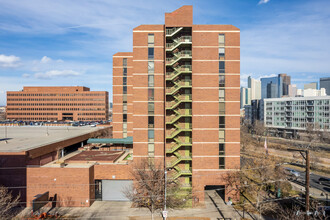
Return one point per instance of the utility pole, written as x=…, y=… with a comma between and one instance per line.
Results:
x=306, y=157
x=307, y=183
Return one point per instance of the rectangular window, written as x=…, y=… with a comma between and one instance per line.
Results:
x=124, y=126
x=151, y=150
x=221, y=163
x=150, y=53
x=221, y=121
x=124, y=81
x=221, y=53
x=221, y=66
x=221, y=95
x=124, y=97
x=221, y=149
x=221, y=81
x=151, y=108
x=124, y=117
x=151, y=40
x=151, y=66
x=150, y=94
x=151, y=121
x=125, y=62
x=221, y=136
x=124, y=89
x=221, y=108
x=124, y=71
x=221, y=40
x=125, y=109
x=151, y=81
x=151, y=135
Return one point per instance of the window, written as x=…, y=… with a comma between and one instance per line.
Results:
x=221, y=95
x=151, y=150
x=221, y=163
x=124, y=81
x=221, y=149
x=151, y=40
x=125, y=90
x=151, y=66
x=150, y=94
x=150, y=80
x=221, y=121
x=221, y=40
x=151, y=135
x=221, y=108
x=150, y=53
x=125, y=62
x=151, y=121
x=151, y=107
x=221, y=53
x=124, y=71
x=124, y=117
x=221, y=136
x=124, y=126
x=221, y=66
x=221, y=81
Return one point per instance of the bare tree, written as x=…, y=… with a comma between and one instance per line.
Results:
x=296, y=212
x=148, y=189
x=7, y=203
x=258, y=179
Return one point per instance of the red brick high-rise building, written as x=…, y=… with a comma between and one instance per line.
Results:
x=178, y=95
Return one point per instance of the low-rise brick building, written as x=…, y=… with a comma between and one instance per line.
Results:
x=72, y=103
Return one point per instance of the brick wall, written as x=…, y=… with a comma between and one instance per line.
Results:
x=73, y=186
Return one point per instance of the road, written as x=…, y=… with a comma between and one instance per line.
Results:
x=314, y=178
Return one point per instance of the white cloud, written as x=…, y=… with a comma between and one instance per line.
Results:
x=45, y=59
x=9, y=61
x=263, y=2
x=56, y=73
x=26, y=75
x=267, y=76
x=279, y=43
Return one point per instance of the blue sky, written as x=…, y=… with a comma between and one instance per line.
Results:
x=71, y=42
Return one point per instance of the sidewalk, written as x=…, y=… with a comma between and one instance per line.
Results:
x=214, y=209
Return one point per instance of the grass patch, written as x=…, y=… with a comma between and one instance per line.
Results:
x=128, y=157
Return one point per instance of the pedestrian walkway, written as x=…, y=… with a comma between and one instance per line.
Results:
x=214, y=208
x=225, y=211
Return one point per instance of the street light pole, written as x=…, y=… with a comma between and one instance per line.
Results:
x=6, y=141
x=164, y=212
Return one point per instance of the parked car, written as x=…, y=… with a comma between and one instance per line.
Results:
x=324, y=181
x=293, y=173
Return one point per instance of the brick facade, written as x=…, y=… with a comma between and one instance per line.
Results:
x=204, y=91
x=57, y=104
